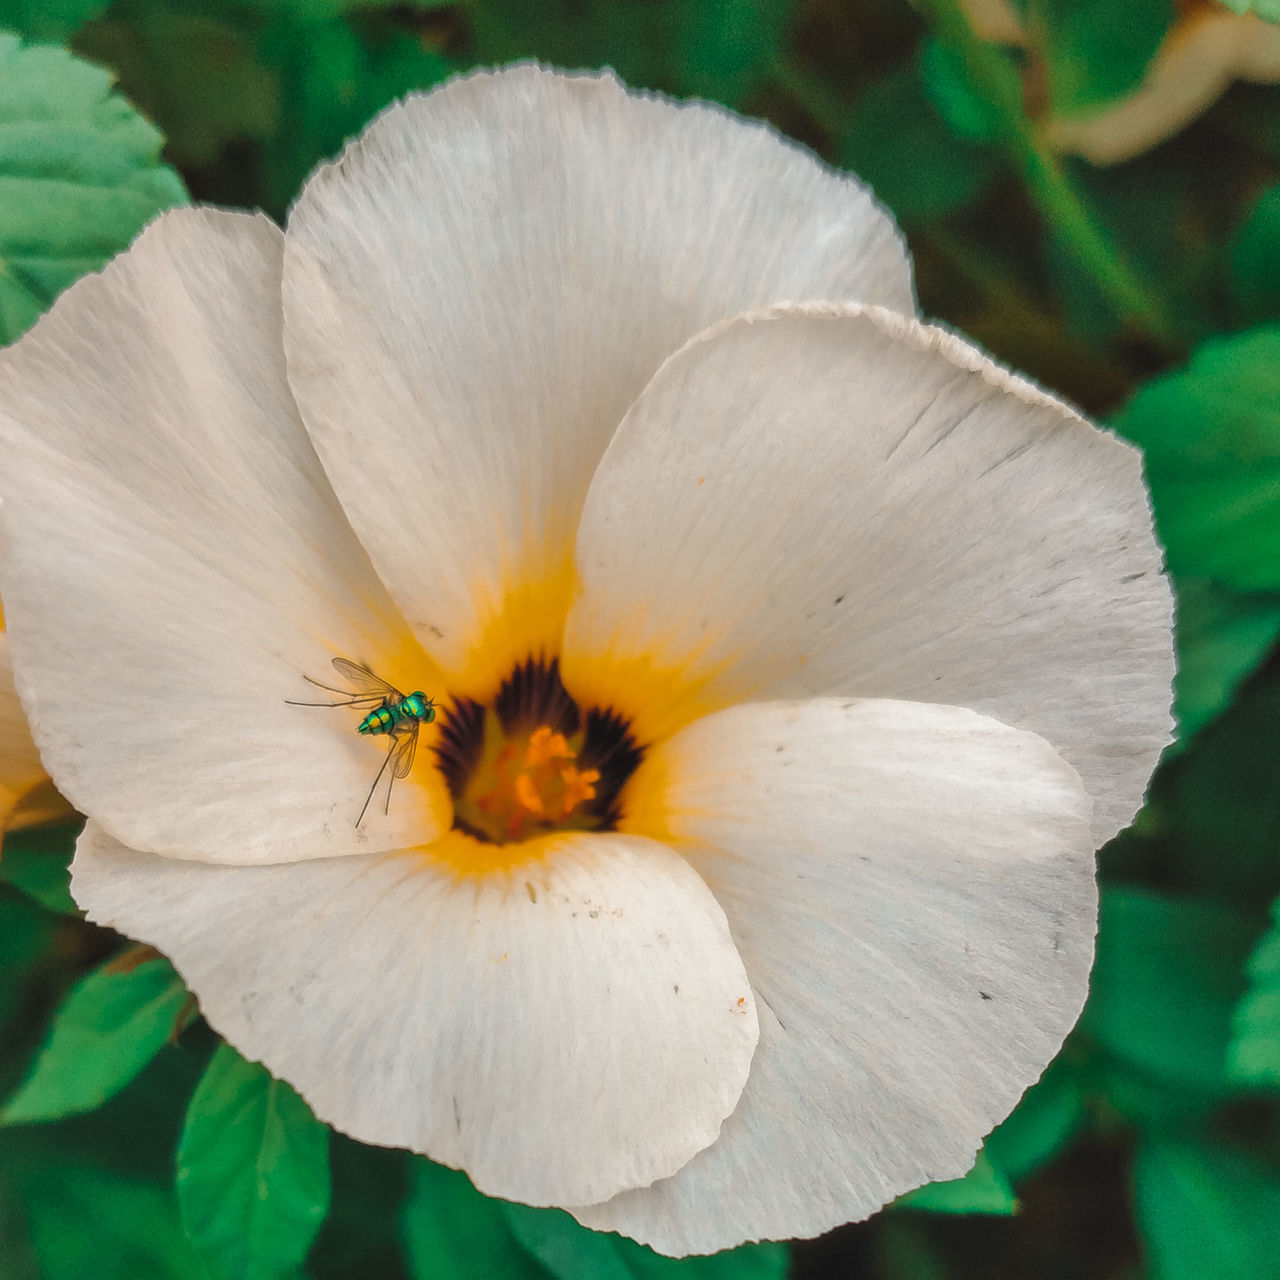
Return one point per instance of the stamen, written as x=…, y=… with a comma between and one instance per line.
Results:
x=531, y=763
x=526, y=794
x=544, y=746
x=578, y=786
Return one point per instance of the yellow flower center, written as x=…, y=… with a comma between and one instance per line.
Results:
x=531, y=762
x=526, y=785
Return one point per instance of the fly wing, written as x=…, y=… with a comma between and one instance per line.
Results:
x=364, y=701
x=368, y=685
x=403, y=758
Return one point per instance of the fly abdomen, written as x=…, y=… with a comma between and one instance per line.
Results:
x=380, y=720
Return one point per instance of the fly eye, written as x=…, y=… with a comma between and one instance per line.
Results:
x=430, y=714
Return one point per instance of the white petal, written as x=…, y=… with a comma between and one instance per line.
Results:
x=176, y=561
x=847, y=502
x=911, y=888
x=482, y=284
x=560, y=1029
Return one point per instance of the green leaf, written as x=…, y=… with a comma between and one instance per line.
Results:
x=94, y=1193
x=1206, y=1210
x=984, y=1189
x=79, y=177
x=110, y=1026
x=569, y=1252
x=1167, y=977
x=899, y=143
x=1050, y=1114
x=1255, y=260
x=87, y=1222
x=1097, y=50
x=1124, y=1093
x=1268, y=9
x=253, y=1171
x=449, y=1229
x=1255, y=1050
x=36, y=860
x=969, y=114
x=1214, y=809
x=50, y=20
x=1221, y=637
x=1211, y=435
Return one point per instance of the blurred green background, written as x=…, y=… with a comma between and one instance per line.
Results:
x=1090, y=190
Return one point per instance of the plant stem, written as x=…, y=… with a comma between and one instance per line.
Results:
x=1045, y=179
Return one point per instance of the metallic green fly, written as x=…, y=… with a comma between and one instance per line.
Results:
x=398, y=715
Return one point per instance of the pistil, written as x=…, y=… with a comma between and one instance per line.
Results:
x=531, y=763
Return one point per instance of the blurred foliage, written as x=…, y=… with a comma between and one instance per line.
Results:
x=1211, y=438
x=1148, y=292
x=1206, y=1209
x=1255, y=1050
x=1097, y=50
x=1167, y=976
x=112, y=1023
x=984, y=1189
x=1268, y=9
x=253, y=1171
x=79, y=175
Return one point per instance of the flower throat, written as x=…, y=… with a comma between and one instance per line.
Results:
x=532, y=762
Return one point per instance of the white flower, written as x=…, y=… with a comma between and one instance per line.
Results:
x=524, y=393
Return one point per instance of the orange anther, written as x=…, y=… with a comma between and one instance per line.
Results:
x=527, y=795
x=545, y=746
x=525, y=785
x=579, y=785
